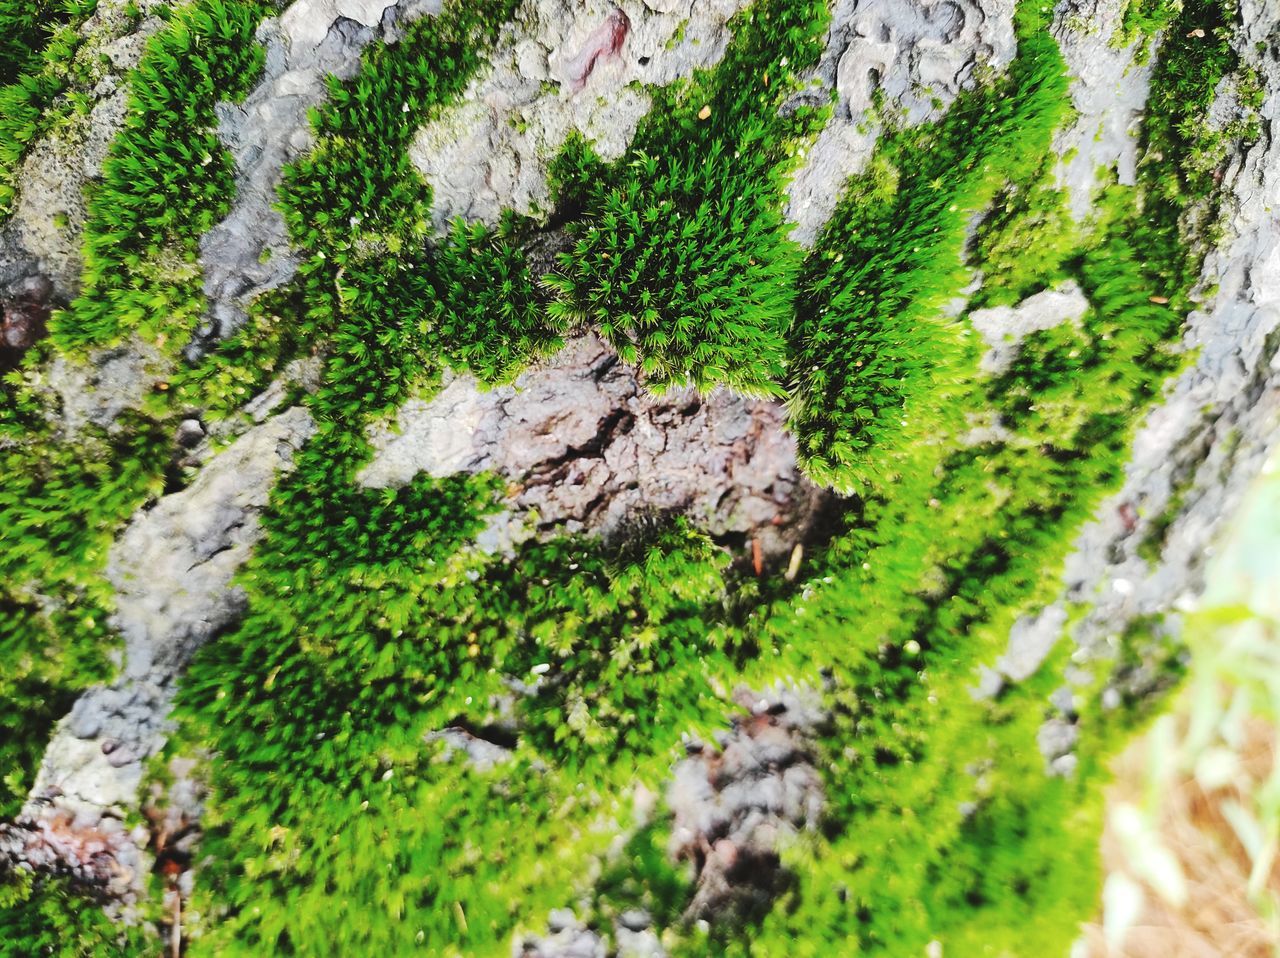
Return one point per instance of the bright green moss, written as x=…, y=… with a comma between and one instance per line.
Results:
x=494, y=327
x=688, y=283
x=1144, y=19
x=45, y=670
x=1024, y=242
x=373, y=631
x=358, y=187
x=60, y=507
x=873, y=352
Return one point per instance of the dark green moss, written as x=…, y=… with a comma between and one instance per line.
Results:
x=681, y=258
x=166, y=180
x=49, y=918
x=60, y=508
x=1183, y=155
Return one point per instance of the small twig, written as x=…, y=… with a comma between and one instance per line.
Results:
x=793, y=567
x=175, y=934
x=461, y=916
x=757, y=557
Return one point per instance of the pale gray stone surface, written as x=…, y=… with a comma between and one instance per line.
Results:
x=172, y=569
x=491, y=152
x=919, y=54
x=1004, y=327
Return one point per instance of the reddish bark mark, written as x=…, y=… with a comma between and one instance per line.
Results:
x=23, y=320
x=605, y=41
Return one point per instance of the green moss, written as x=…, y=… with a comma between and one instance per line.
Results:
x=492, y=328
x=166, y=180
x=696, y=273
x=1024, y=242
x=60, y=508
x=1142, y=20
x=48, y=918
x=1183, y=154
x=681, y=258
x=873, y=354
x=372, y=630
x=38, y=44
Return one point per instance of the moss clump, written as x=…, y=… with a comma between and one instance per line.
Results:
x=1182, y=153
x=1024, y=242
x=166, y=180
x=60, y=508
x=49, y=918
x=872, y=353
x=373, y=630
x=491, y=328
x=357, y=187
x=1142, y=20
x=681, y=258
x=38, y=42
x=690, y=283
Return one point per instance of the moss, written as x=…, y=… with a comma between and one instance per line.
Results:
x=38, y=45
x=1024, y=242
x=373, y=631
x=1183, y=154
x=681, y=259
x=872, y=353
x=165, y=181
x=48, y=918
x=1143, y=20
x=60, y=509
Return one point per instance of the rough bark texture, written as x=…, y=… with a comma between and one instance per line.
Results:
x=582, y=444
